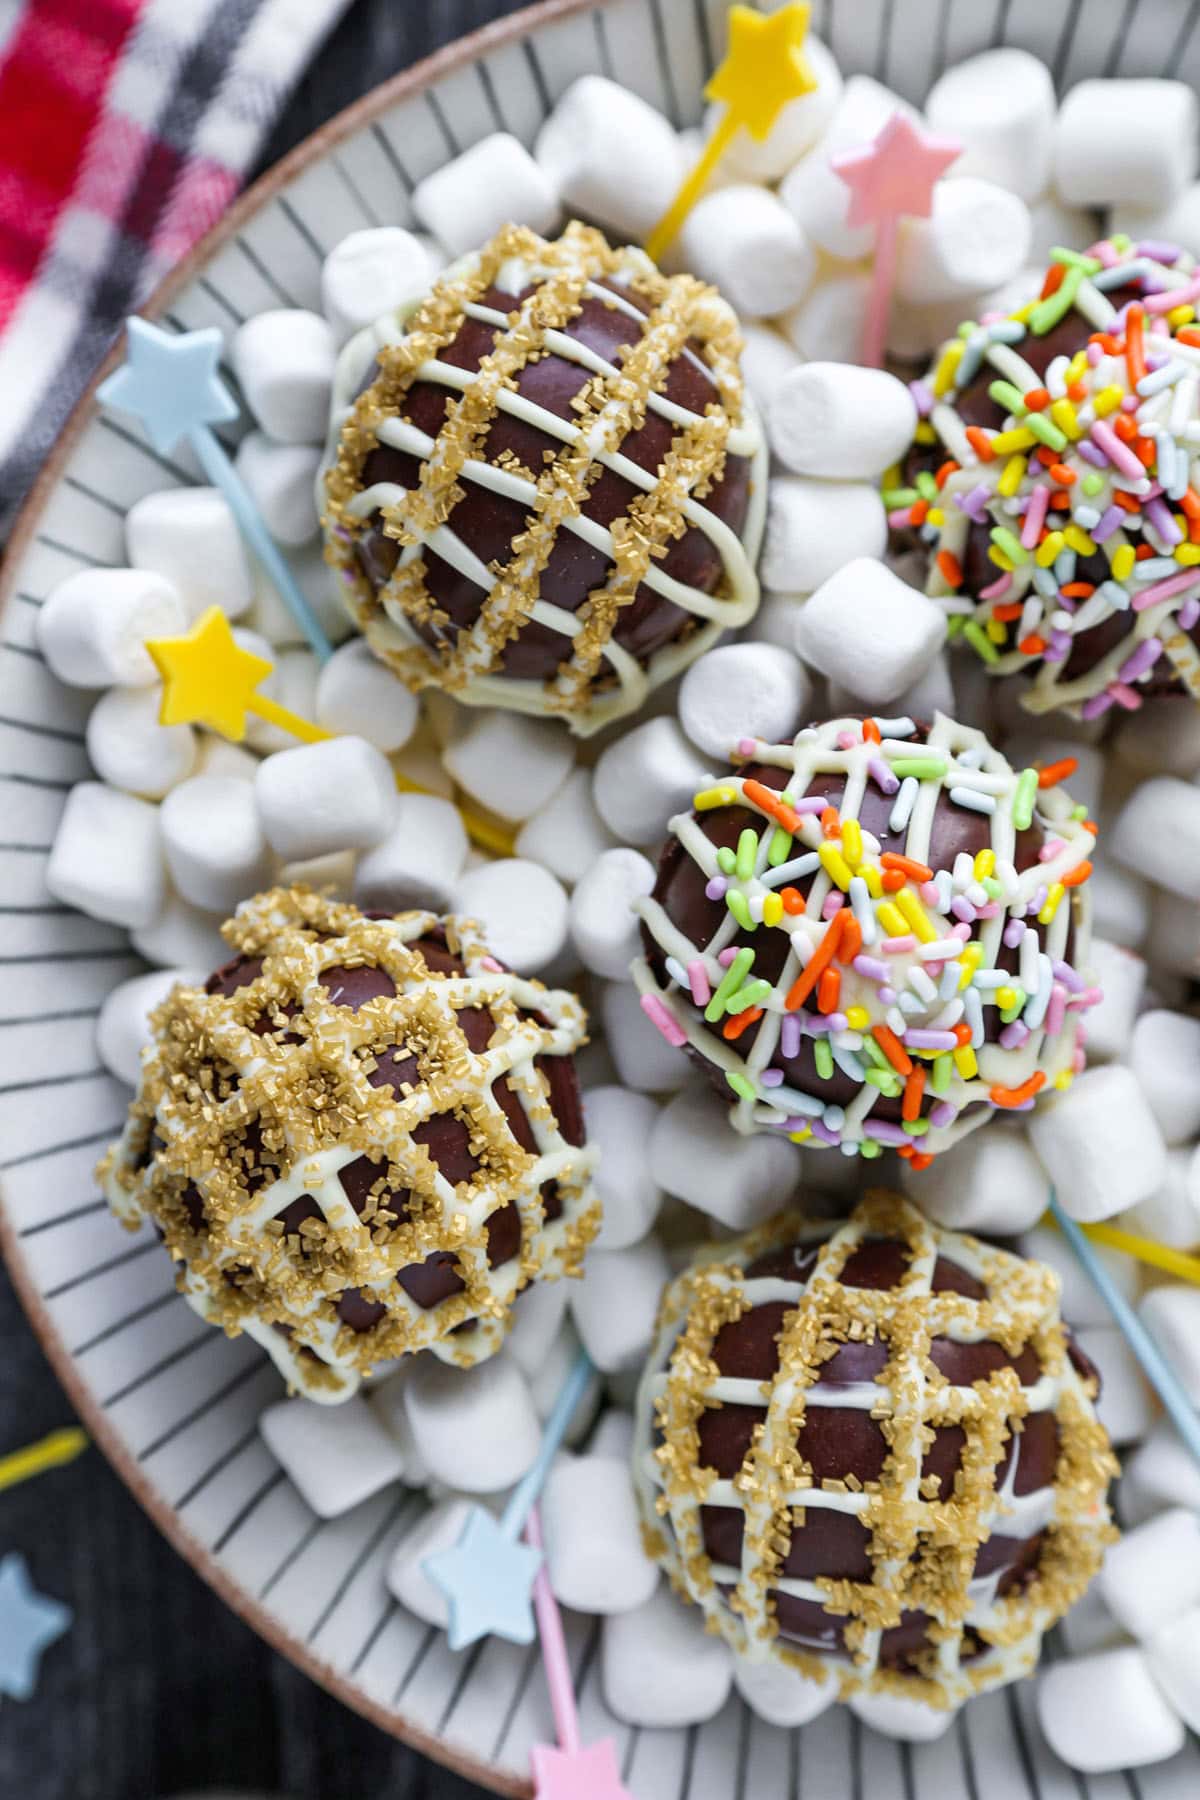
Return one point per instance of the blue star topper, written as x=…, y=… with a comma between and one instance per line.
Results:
x=170, y=382
x=29, y=1623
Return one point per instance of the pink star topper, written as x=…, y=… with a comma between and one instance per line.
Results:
x=895, y=174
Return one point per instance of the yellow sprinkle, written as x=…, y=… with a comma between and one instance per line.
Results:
x=707, y=798
x=1180, y=315
x=1005, y=442
x=969, y=957
x=1107, y=401
x=772, y=909
x=935, y=516
x=1023, y=313
x=1063, y=414
x=996, y=630
x=1001, y=561
x=1187, y=554
x=1123, y=561
x=1079, y=540
x=1006, y=996
x=1010, y=477
x=985, y=864
x=800, y=1137
x=51, y=1452
x=965, y=1063
x=1077, y=368
x=835, y=865
x=1049, y=549
x=852, y=844
x=925, y=434
x=873, y=876
x=1052, y=901
x=1062, y=1082
x=857, y=1018
x=914, y=912
x=948, y=361
x=892, y=920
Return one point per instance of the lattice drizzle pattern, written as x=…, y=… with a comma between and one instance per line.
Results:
x=280, y=1057
x=597, y=680
x=923, y=1550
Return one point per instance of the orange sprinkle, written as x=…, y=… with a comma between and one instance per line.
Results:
x=1189, y=335
x=1143, y=553
x=949, y=568
x=851, y=942
x=905, y=1151
x=1054, y=772
x=1135, y=346
x=829, y=990
x=916, y=871
x=1090, y=825
x=1146, y=451
x=1011, y=610
x=1078, y=590
x=891, y=881
x=1032, y=645
x=1077, y=391
x=793, y=900
x=1037, y=399
x=1044, y=455
x=871, y=732
x=1065, y=477
x=914, y=1087
x=892, y=1048
x=1124, y=427
x=1017, y=1096
x=1060, y=500
x=820, y=960
x=733, y=1027
x=980, y=443
x=917, y=512
x=768, y=801
x=831, y=821
x=1110, y=345
x=1055, y=276
x=1077, y=876
x=963, y=1034
x=1190, y=503
x=920, y=1159
x=948, y=468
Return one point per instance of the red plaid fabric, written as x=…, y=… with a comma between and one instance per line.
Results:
x=126, y=126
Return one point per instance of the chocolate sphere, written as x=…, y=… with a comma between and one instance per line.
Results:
x=545, y=484
x=876, y=935
x=870, y=1449
x=1052, y=500
x=361, y=1138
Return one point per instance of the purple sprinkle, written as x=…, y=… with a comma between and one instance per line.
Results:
x=1109, y=520
x=974, y=504
x=771, y=1078
x=1066, y=974
x=838, y=1022
x=922, y=394
x=821, y=1130
x=1159, y=250
x=942, y=1114
x=1099, y=703
x=1092, y=453
x=1039, y=899
x=1014, y=931
x=1143, y=658
x=1189, y=612
x=1014, y=1035
x=715, y=889
x=1160, y=517
x=789, y=1035
x=811, y=805
x=931, y=1040
x=962, y=909
x=887, y=995
x=881, y=775
x=871, y=967
x=884, y=1132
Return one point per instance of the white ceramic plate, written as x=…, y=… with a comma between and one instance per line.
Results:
x=172, y=1402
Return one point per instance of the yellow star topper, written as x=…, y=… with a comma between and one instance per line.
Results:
x=764, y=68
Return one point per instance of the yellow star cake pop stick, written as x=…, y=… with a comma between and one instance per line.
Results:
x=764, y=68
x=1157, y=1256
x=209, y=679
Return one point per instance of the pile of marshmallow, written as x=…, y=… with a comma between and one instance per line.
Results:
x=179, y=826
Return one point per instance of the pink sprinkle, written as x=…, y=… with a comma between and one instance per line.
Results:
x=746, y=746
x=1089, y=997
x=1165, y=590
x=900, y=519
x=1105, y=252
x=1056, y=1012
x=1094, y=353
x=833, y=903
x=1050, y=849
x=1116, y=452
x=1180, y=296
x=1124, y=696
x=725, y=957
x=1035, y=515
x=997, y=589
x=697, y=976
x=490, y=963
x=929, y=893
x=898, y=946
x=846, y=740
x=658, y=1015
x=989, y=911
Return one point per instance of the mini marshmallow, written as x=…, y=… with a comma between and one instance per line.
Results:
x=1173, y=940
x=1001, y=107
x=899, y=1716
x=1125, y=1407
x=123, y=1024
x=1120, y=906
x=743, y=690
x=1104, y=1712
x=1080, y=1303
x=217, y=756
x=766, y=356
x=782, y=1695
x=1160, y=738
x=1157, y=834
x=510, y=764
x=182, y=936
x=386, y=1400
x=838, y=420
x=1173, y=1654
x=131, y=750
x=1162, y=1472
x=1171, y=1314
x=828, y=324
x=989, y=1182
x=496, y=182
x=1121, y=977
x=284, y=360
x=696, y=1155
x=213, y=841
x=645, y=778
x=1172, y=1215
x=594, y=1553
x=977, y=236
x=1164, y=1054
x=660, y=1668
x=932, y=692
x=107, y=858
x=475, y=1429
x=613, y=1436
x=440, y=1528
x=419, y=862
x=522, y=908
x=1089, y=1625
x=190, y=536
x=1100, y=1144
x=1153, y=1574
x=357, y=693
x=620, y=1123
x=546, y=1382
x=604, y=927
x=338, y=1456
x=819, y=198
x=643, y=1058
x=746, y=242
x=775, y=623
x=814, y=528
x=798, y=124
x=317, y=583
x=335, y=795
x=332, y=874
x=282, y=479
x=1132, y=141
x=615, y=1307
x=92, y=628
x=369, y=273
x=567, y=834
x=1055, y=223
x=291, y=683
x=611, y=157
x=870, y=630
x=537, y=1319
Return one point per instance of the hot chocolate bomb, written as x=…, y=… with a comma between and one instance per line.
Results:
x=545, y=484
x=362, y=1138
x=870, y=1451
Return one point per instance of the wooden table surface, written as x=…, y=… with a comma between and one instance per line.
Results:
x=159, y=1690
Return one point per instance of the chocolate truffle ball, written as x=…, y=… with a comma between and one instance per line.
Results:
x=876, y=935
x=1049, y=484
x=545, y=483
x=870, y=1450
x=361, y=1138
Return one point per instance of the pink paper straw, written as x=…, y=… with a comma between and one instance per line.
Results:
x=554, y=1648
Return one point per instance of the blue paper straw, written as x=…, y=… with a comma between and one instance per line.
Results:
x=530, y=1486
x=1155, y=1366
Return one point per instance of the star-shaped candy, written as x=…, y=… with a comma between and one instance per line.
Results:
x=764, y=67
x=487, y=1578
x=590, y=1774
x=29, y=1623
x=170, y=382
x=208, y=679
x=895, y=173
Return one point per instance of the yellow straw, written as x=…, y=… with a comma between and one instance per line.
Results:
x=48, y=1453
x=667, y=229
x=1159, y=1256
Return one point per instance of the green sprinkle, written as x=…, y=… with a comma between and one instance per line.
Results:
x=1078, y=259
x=923, y=768
x=1023, y=799
x=871, y=1049
x=992, y=888
x=823, y=1058
x=1009, y=1013
x=916, y=1127
x=780, y=847
x=1092, y=483
x=753, y=994
x=1047, y=313
x=745, y=1090
x=1079, y=812
x=980, y=642
x=870, y=1149
x=726, y=861
x=732, y=979
x=954, y=625
x=1045, y=430
x=1010, y=543
x=927, y=487
x=1120, y=241
x=739, y=906
x=747, y=854
x=941, y=1073
x=895, y=498
x=1009, y=397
